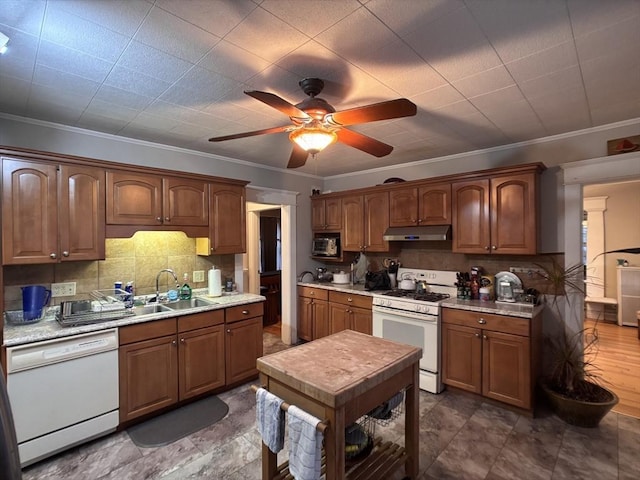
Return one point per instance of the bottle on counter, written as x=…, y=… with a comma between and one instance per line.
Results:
x=475, y=286
x=128, y=299
x=185, y=289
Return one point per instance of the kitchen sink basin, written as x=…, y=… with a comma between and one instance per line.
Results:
x=149, y=309
x=186, y=304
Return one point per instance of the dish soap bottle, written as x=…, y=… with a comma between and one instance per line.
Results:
x=185, y=289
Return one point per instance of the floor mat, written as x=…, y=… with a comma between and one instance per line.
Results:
x=176, y=424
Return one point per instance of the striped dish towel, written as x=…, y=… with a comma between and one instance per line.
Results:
x=270, y=419
x=305, y=445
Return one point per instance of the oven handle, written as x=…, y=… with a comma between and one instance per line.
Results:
x=423, y=317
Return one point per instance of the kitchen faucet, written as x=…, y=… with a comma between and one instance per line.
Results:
x=168, y=270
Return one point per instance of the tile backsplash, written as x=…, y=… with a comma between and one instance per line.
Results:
x=137, y=259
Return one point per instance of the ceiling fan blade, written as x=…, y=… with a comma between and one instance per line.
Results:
x=364, y=143
x=250, y=134
x=278, y=103
x=398, y=108
x=298, y=157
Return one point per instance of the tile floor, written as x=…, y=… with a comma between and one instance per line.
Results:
x=460, y=438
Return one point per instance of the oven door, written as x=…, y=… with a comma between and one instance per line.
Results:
x=418, y=330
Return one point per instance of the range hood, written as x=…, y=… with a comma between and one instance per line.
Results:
x=413, y=234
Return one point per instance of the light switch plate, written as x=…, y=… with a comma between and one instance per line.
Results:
x=65, y=289
x=198, y=276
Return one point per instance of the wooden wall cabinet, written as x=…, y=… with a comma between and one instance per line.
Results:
x=496, y=215
x=350, y=312
x=495, y=356
x=243, y=341
x=326, y=214
x=167, y=361
x=365, y=218
x=428, y=204
x=51, y=213
x=153, y=200
x=313, y=316
x=227, y=221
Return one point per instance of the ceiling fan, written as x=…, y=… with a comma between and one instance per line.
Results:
x=316, y=124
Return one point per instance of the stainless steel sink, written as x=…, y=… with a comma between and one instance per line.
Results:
x=186, y=304
x=149, y=309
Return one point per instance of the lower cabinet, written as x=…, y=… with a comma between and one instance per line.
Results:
x=350, y=312
x=313, y=317
x=243, y=341
x=491, y=355
x=166, y=361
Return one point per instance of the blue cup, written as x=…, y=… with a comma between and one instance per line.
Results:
x=34, y=299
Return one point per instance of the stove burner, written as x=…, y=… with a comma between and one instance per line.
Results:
x=425, y=297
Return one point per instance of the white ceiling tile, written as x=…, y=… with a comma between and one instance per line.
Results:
x=79, y=34
x=591, y=15
x=165, y=32
x=266, y=36
x=404, y=16
x=484, y=82
x=314, y=16
x=136, y=82
x=543, y=62
x=24, y=15
x=232, y=62
x=117, y=96
x=149, y=121
x=215, y=16
x=66, y=115
x=517, y=29
x=41, y=94
x=72, y=61
x=110, y=110
x=50, y=77
x=552, y=83
x=99, y=123
x=19, y=60
x=122, y=16
x=153, y=62
x=622, y=38
x=612, y=112
x=498, y=100
x=14, y=94
x=206, y=83
x=611, y=85
x=437, y=98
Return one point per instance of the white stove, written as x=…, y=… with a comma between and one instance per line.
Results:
x=413, y=317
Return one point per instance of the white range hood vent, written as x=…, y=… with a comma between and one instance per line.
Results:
x=414, y=234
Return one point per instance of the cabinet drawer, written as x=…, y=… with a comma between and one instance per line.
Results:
x=487, y=321
x=361, y=301
x=147, y=330
x=312, y=292
x=200, y=320
x=241, y=312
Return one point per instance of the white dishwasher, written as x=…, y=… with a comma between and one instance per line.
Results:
x=63, y=392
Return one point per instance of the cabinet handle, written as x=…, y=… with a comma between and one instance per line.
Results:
x=167, y=219
x=213, y=249
x=493, y=247
x=485, y=337
x=53, y=255
x=65, y=254
x=312, y=293
x=482, y=321
x=245, y=312
x=229, y=331
x=174, y=343
x=349, y=299
x=487, y=247
x=477, y=335
x=419, y=221
x=182, y=340
x=159, y=219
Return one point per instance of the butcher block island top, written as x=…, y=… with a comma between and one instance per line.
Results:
x=338, y=379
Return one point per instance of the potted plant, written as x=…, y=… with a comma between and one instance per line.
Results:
x=572, y=383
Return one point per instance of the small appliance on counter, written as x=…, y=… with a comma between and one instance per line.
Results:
x=326, y=247
x=508, y=287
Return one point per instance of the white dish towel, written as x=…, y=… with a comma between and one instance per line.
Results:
x=305, y=445
x=270, y=419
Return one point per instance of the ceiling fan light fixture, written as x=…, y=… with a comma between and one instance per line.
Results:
x=313, y=139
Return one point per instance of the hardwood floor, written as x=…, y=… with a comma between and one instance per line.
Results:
x=618, y=359
x=274, y=329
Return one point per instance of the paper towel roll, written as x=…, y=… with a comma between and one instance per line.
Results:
x=215, y=284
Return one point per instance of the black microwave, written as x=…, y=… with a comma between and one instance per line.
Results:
x=326, y=247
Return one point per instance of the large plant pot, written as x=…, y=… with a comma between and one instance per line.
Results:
x=578, y=412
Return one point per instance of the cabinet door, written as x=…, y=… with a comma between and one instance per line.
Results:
x=81, y=215
x=376, y=221
x=462, y=357
x=305, y=318
x=513, y=214
x=134, y=199
x=321, y=326
x=470, y=216
x=339, y=317
x=243, y=345
x=227, y=219
x=201, y=360
x=435, y=204
x=353, y=223
x=333, y=214
x=148, y=376
x=362, y=320
x=506, y=369
x=29, y=212
x=318, y=214
x=185, y=202
x=403, y=207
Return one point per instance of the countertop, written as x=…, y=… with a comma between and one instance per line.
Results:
x=49, y=328
x=523, y=310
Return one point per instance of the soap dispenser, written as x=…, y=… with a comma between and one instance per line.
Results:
x=185, y=289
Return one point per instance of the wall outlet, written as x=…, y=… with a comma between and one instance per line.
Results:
x=66, y=289
x=198, y=276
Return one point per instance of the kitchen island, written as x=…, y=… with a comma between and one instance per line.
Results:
x=338, y=379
